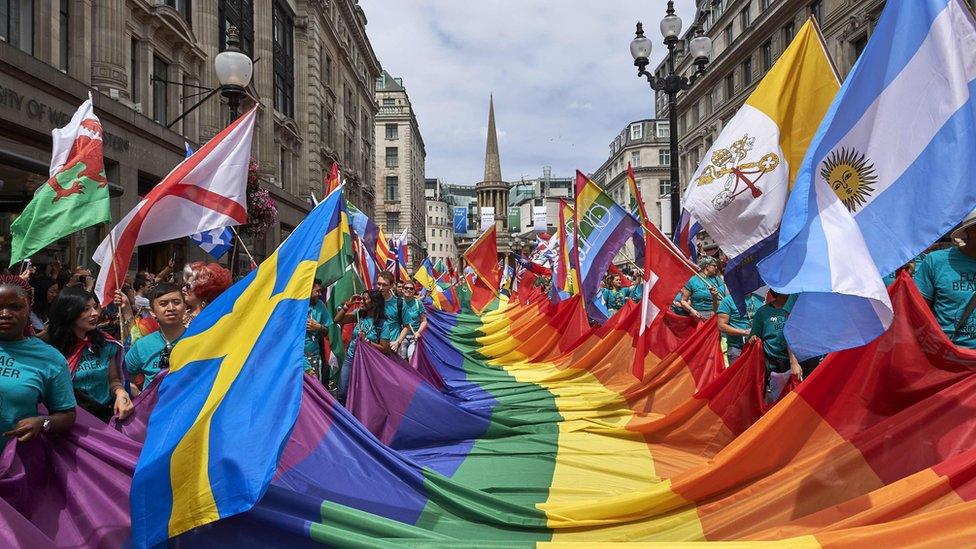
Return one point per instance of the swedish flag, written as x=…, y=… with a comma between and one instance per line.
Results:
x=233, y=391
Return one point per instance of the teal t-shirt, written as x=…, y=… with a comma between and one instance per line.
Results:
x=393, y=319
x=676, y=305
x=413, y=310
x=889, y=279
x=91, y=376
x=636, y=291
x=947, y=279
x=31, y=371
x=767, y=325
x=701, y=298
x=367, y=327
x=615, y=299
x=738, y=320
x=143, y=357
x=313, y=340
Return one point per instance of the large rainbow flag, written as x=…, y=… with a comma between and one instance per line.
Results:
x=538, y=433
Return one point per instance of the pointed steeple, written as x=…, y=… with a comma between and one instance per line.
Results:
x=493, y=165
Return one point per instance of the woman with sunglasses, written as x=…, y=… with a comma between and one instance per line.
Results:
x=371, y=327
x=31, y=371
x=414, y=322
x=150, y=353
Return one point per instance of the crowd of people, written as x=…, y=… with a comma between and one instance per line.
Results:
x=61, y=348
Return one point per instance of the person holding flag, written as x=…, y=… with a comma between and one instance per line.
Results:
x=735, y=326
x=316, y=327
x=614, y=296
x=703, y=291
x=414, y=322
x=367, y=312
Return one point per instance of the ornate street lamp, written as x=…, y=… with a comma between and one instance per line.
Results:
x=234, y=69
x=700, y=49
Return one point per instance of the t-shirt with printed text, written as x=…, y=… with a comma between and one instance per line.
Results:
x=31, y=371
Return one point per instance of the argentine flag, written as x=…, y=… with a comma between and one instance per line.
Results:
x=890, y=170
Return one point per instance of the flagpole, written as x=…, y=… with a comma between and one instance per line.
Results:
x=241, y=241
x=118, y=286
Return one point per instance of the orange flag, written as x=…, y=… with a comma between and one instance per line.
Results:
x=333, y=181
x=482, y=257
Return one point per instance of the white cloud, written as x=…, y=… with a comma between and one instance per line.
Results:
x=561, y=73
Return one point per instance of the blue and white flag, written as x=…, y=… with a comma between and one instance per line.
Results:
x=889, y=171
x=215, y=242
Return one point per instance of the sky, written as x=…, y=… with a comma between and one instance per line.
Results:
x=561, y=73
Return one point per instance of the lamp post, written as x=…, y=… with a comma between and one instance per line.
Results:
x=234, y=69
x=700, y=49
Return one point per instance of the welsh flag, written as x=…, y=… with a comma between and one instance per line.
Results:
x=75, y=196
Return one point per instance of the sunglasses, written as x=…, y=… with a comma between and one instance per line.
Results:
x=164, y=356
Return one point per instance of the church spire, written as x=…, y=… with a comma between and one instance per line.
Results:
x=493, y=165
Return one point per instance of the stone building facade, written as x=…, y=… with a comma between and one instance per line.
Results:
x=748, y=36
x=399, y=168
x=645, y=145
x=149, y=62
x=492, y=189
x=440, y=224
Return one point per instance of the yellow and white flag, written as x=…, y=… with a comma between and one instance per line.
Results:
x=739, y=191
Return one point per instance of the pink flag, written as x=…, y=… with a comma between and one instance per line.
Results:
x=206, y=190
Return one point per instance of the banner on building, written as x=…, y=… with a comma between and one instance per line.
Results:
x=514, y=219
x=460, y=220
x=487, y=217
x=539, y=218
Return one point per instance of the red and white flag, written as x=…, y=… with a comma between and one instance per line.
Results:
x=666, y=271
x=207, y=190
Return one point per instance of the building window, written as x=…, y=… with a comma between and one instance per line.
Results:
x=635, y=159
x=746, y=18
x=283, y=27
x=328, y=123
x=747, y=71
x=767, y=55
x=709, y=104
x=240, y=14
x=392, y=157
x=728, y=36
x=391, y=131
x=17, y=24
x=184, y=7
x=62, y=34
x=388, y=102
x=636, y=131
x=729, y=87
x=859, y=46
x=133, y=70
x=764, y=4
x=664, y=130
x=392, y=222
x=326, y=68
x=393, y=188
x=816, y=10
x=664, y=157
x=788, y=31
x=160, y=72
x=664, y=187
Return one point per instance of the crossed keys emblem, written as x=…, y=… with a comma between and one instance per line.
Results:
x=729, y=164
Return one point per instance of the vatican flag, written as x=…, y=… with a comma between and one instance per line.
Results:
x=739, y=191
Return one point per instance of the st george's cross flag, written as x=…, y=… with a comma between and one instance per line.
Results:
x=206, y=190
x=739, y=191
x=889, y=171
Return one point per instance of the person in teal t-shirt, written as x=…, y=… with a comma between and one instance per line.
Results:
x=316, y=327
x=414, y=323
x=703, y=291
x=93, y=358
x=31, y=371
x=947, y=281
x=393, y=303
x=734, y=325
x=150, y=354
x=371, y=326
x=614, y=295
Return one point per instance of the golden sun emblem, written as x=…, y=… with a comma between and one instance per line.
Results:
x=850, y=175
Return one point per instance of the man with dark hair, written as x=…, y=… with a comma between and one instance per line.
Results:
x=947, y=280
x=316, y=325
x=140, y=286
x=150, y=353
x=394, y=304
x=767, y=324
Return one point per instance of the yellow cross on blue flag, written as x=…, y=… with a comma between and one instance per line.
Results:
x=233, y=391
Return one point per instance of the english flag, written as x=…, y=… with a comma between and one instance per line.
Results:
x=665, y=272
x=206, y=190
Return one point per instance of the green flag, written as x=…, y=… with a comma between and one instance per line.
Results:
x=76, y=195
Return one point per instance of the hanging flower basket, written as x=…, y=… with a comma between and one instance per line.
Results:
x=262, y=210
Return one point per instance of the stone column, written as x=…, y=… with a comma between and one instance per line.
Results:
x=110, y=52
x=205, y=28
